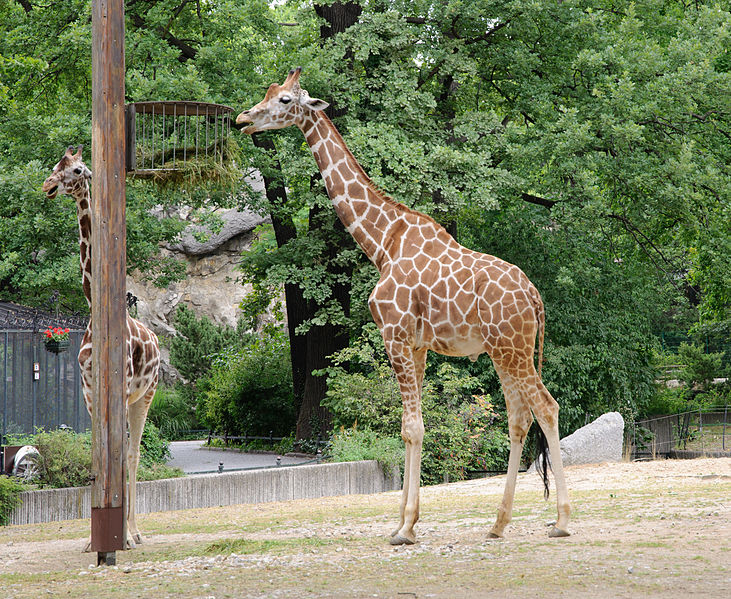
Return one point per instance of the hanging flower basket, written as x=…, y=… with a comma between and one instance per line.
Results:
x=57, y=339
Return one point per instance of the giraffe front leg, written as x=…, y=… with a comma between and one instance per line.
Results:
x=409, y=366
x=413, y=435
x=137, y=413
x=404, y=492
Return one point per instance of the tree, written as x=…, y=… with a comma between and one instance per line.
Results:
x=604, y=123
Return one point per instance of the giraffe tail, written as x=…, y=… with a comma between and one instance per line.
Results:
x=542, y=459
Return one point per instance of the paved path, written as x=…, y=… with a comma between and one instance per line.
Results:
x=191, y=456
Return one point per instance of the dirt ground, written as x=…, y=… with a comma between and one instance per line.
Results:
x=646, y=529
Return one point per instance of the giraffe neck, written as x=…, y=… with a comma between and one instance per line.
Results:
x=83, y=213
x=364, y=210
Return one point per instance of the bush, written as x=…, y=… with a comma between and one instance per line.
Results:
x=64, y=458
x=158, y=472
x=463, y=431
x=250, y=390
x=354, y=444
x=10, y=489
x=198, y=342
x=172, y=411
x=154, y=448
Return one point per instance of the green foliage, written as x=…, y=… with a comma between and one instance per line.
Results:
x=172, y=412
x=699, y=368
x=249, y=390
x=157, y=471
x=463, y=431
x=613, y=118
x=198, y=342
x=354, y=444
x=154, y=448
x=10, y=489
x=64, y=458
x=598, y=345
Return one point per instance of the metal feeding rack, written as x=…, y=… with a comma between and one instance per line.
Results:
x=173, y=137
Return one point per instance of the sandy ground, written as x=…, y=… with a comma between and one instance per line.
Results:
x=649, y=529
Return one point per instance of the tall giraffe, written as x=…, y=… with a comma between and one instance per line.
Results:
x=71, y=177
x=432, y=294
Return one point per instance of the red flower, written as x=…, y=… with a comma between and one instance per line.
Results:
x=56, y=333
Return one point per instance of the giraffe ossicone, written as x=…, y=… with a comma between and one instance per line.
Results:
x=433, y=294
x=71, y=177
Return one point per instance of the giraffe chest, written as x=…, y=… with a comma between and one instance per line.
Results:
x=429, y=311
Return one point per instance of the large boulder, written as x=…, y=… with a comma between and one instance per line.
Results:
x=599, y=441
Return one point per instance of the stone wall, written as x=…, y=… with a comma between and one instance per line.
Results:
x=212, y=490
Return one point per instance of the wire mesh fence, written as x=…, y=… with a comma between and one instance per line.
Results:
x=702, y=432
x=39, y=388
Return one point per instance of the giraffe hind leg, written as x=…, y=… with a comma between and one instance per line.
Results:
x=519, y=421
x=545, y=409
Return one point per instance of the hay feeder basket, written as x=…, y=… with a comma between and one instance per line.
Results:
x=170, y=140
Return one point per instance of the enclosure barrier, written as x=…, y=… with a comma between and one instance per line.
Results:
x=690, y=434
x=284, y=483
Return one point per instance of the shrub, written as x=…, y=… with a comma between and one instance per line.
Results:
x=158, y=472
x=10, y=489
x=198, y=342
x=154, y=448
x=463, y=430
x=354, y=444
x=172, y=412
x=250, y=390
x=64, y=458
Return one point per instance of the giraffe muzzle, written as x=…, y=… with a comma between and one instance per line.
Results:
x=51, y=193
x=244, y=119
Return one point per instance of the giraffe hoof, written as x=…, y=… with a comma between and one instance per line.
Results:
x=398, y=539
x=137, y=538
x=87, y=549
x=494, y=535
x=557, y=532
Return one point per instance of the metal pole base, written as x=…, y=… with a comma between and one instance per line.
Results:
x=106, y=558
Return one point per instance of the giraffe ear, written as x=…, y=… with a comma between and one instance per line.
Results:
x=316, y=104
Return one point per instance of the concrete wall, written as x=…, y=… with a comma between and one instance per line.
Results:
x=211, y=490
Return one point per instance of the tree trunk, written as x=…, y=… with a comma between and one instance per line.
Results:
x=295, y=303
x=315, y=420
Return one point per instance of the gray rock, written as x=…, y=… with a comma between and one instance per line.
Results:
x=597, y=442
x=235, y=223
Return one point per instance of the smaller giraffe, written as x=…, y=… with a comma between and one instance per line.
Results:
x=71, y=177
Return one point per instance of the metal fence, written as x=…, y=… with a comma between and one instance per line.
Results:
x=39, y=388
x=687, y=434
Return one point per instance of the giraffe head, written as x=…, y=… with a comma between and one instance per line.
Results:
x=284, y=105
x=69, y=176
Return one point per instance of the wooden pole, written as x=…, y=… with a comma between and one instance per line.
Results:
x=109, y=428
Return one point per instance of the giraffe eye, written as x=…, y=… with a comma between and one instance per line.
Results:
x=285, y=99
x=77, y=171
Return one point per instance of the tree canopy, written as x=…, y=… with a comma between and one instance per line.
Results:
x=587, y=142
